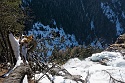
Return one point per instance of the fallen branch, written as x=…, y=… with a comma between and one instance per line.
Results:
x=87, y=77
x=55, y=69
x=112, y=78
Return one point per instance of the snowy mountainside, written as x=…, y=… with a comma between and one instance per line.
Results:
x=92, y=22
x=113, y=16
x=92, y=70
x=46, y=35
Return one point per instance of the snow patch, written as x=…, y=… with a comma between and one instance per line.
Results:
x=96, y=43
x=123, y=14
x=112, y=16
x=119, y=29
x=25, y=80
x=92, y=25
x=108, y=12
x=112, y=58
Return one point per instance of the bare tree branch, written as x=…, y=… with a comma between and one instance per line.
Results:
x=112, y=79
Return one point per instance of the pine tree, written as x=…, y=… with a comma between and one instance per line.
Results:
x=11, y=20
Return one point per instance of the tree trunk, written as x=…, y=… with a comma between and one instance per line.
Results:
x=18, y=74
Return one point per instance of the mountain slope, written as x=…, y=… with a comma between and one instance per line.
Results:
x=90, y=20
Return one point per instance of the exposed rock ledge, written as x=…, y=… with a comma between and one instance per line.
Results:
x=118, y=46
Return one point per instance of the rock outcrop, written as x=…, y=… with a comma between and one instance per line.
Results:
x=118, y=46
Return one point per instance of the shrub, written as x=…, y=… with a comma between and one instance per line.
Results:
x=81, y=52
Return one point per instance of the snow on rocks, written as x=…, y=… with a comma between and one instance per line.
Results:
x=92, y=71
x=111, y=58
x=97, y=72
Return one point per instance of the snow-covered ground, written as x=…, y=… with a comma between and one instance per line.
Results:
x=91, y=66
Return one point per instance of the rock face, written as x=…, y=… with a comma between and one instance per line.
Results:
x=119, y=45
x=120, y=39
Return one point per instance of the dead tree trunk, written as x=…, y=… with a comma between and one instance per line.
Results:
x=18, y=74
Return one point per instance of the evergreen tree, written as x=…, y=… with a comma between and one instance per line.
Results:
x=11, y=20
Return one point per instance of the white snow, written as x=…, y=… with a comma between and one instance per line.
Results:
x=54, y=22
x=112, y=58
x=92, y=25
x=123, y=14
x=97, y=72
x=25, y=80
x=96, y=43
x=108, y=12
x=119, y=29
